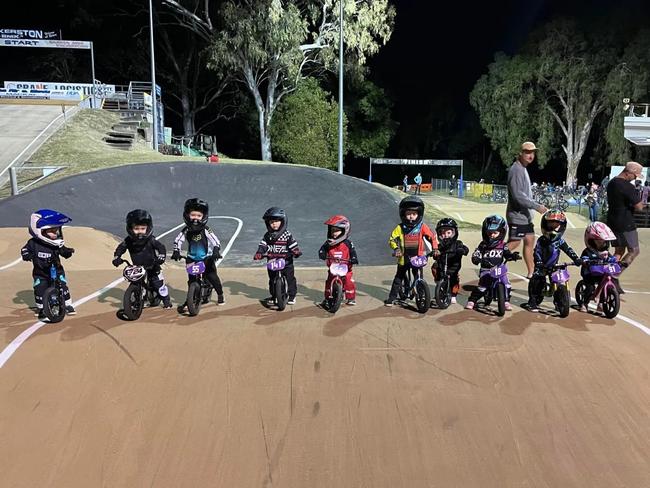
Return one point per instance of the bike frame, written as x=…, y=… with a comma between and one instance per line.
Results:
x=607, y=270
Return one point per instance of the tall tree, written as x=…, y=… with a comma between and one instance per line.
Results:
x=270, y=45
x=553, y=92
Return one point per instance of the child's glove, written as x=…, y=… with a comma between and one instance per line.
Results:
x=515, y=256
x=435, y=253
x=176, y=255
x=577, y=262
x=161, y=258
x=258, y=256
x=397, y=253
x=25, y=254
x=612, y=259
x=296, y=252
x=117, y=261
x=66, y=252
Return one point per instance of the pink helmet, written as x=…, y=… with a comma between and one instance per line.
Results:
x=599, y=231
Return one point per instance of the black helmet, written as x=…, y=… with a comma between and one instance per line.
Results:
x=444, y=224
x=494, y=223
x=139, y=217
x=275, y=213
x=198, y=205
x=411, y=203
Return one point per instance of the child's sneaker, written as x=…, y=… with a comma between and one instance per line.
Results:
x=453, y=300
x=69, y=310
x=41, y=314
x=599, y=308
x=220, y=300
x=508, y=307
x=269, y=301
x=351, y=302
x=583, y=308
x=389, y=302
x=181, y=308
x=292, y=301
x=325, y=304
x=167, y=303
x=469, y=306
x=532, y=308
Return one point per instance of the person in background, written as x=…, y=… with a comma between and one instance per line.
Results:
x=406, y=183
x=418, y=184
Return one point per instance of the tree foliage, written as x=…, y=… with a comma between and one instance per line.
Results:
x=305, y=130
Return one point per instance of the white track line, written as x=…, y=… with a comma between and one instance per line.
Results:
x=630, y=321
x=13, y=263
x=461, y=218
x=18, y=341
x=569, y=221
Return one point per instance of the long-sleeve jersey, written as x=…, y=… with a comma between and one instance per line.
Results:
x=594, y=256
x=487, y=256
x=455, y=252
x=200, y=245
x=547, y=252
x=42, y=255
x=343, y=250
x=416, y=242
x=147, y=253
x=283, y=246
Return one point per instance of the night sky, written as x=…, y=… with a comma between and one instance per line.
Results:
x=437, y=52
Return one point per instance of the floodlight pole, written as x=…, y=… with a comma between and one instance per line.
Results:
x=341, y=87
x=92, y=68
x=154, y=102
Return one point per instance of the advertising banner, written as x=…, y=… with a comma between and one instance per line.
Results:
x=51, y=43
x=103, y=90
x=28, y=34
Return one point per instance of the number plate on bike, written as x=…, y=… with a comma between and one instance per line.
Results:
x=276, y=264
x=498, y=271
x=339, y=269
x=605, y=269
x=195, y=268
x=418, y=261
x=133, y=273
x=560, y=276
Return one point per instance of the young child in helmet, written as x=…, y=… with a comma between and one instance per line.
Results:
x=454, y=249
x=202, y=245
x=547, y=254
x=338, y=246
x=411, y=237
x=145, y=250
x=278, y=242
x=492, y=251
x=597, y=238
x=44, y=249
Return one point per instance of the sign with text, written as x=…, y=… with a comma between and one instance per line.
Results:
x=40, y=94
x=83, y=88
x=28, y=34
x=50, y=43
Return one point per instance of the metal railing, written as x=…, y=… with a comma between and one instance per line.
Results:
x=22, y=178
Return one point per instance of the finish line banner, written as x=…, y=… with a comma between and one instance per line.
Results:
x=418, y=162
x=50, y=43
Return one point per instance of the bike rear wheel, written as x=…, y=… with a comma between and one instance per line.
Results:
x=442, y=294
x=194, y=298
x=133, y=302
x=422, y=296
x=281, y=295
x=581, y=293
x=53, y=305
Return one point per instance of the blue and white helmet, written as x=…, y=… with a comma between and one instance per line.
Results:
x=48, y=219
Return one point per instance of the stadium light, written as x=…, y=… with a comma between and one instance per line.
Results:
x=341, y=88
x=154, y=104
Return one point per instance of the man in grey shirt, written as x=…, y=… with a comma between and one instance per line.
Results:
x=520, y=204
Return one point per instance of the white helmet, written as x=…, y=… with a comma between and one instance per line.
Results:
x=602, y=232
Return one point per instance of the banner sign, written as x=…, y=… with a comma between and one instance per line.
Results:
x=418, y=162
x=40, y=94
x=28, y=34
x=83, y=88
x=51, y=43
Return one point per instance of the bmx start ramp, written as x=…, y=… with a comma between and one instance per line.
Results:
x=101, y=200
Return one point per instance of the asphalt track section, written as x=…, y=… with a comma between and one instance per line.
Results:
x=101, y=200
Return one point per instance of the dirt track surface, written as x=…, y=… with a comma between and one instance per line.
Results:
x=242, y=396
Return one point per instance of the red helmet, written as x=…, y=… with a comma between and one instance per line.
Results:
x=339, y=222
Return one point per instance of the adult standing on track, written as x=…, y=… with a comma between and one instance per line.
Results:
x=406, y=183
x=622, y=201
x=520, y=204
x=418, y=184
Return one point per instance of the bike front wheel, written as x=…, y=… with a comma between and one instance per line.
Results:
x=442, y=294
x=562, y=300
x=337, y=296
x=132, y=302
x=194, y=298
x=53, y=305
x=611, y=302
x=501, y=299
x=422, y=296
x=281, y=295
